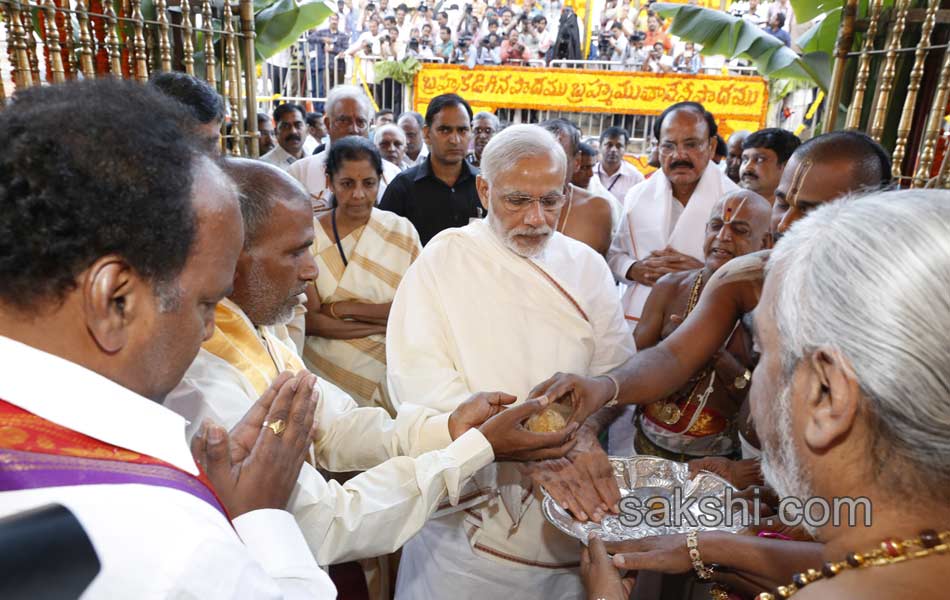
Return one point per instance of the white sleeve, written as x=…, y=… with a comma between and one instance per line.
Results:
x=419, y=354
x=614, y=343
x=379, y=510
x=340, y=423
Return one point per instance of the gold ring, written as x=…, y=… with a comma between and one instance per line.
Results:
x=277, y=426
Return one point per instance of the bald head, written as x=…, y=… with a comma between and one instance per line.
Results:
x=867, y=163
x=261, y=186
x=738, y=225
x=825, y=168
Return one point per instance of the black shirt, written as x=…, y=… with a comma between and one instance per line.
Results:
x=429, y=204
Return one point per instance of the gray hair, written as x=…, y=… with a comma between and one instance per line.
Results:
x=389, y=128
x=516, y=142
x=868, y=276
x=351, y=92
x=495, y=123
x=418, y=118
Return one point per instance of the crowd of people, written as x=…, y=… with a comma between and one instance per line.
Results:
x=231, y=373
x=629, y=35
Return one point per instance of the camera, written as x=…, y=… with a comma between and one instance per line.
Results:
x=603, y=43
x=414, y=43
x=637, y=36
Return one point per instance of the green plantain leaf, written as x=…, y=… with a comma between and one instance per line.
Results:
x=723, y=34
x=280, y=24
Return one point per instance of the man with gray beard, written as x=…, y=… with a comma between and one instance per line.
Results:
x=249, y=348
x=496, y=305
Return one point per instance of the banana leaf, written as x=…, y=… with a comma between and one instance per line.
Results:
x=723, y=34
x=402, y=71
x=283, y=21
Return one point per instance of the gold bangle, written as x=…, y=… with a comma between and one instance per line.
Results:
x=333, y=312
x=702, y=571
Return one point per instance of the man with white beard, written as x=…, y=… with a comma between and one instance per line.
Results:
x=500, y=304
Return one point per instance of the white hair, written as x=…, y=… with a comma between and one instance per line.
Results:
x=869, y=277
x=516, y=142
x=389, y=128
x=495, y=123
x=348, y=92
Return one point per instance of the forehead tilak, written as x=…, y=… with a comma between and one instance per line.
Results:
x=801, y=171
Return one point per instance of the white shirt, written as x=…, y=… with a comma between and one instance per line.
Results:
x=280, y=158
x=408, y=162
x=620, y=182
x=410, y=463
x=312, y=173
x=152, y=542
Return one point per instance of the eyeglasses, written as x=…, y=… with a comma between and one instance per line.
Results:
x=483, y=131
x=345, y=121
x=689, y=147
x=520, y=202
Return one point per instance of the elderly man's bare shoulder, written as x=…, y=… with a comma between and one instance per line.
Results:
x=590, y=202
x=741, y=278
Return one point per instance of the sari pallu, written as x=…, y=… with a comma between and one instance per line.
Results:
x=377, y=256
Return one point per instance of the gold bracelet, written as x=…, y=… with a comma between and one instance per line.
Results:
x=333, y=312
x=702, y=571
x=613, y=401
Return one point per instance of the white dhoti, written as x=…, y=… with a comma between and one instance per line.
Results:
x=471, y=315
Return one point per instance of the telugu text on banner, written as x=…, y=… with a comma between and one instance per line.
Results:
x=738, y=102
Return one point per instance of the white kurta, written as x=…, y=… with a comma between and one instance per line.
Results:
x=471, y=315
x=655, y=220
x=596, y=188
x=377, y=511
x=312, y=173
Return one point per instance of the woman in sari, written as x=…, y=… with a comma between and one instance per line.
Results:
x=362, y=253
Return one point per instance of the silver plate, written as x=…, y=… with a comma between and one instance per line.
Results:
x=642, y=476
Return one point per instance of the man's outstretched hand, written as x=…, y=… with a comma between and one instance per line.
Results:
x=252, y=467
x=503, y=427
x=582, y=483
x=586, y=394
x=601, y=578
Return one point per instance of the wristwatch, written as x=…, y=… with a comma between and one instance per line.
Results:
x=743, y=380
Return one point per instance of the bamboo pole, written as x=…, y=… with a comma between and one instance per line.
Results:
x=187, y=39
x=53, y=50
x=85, y=41
x=934, y=126
x=250, y=91
x=864, y=67
x=888, y=70
x=842, y=47
x=913, y=88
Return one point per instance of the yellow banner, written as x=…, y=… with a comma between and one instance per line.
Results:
x=738, y=102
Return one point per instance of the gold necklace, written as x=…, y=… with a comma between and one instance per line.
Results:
x=889, y=552
x=567, y=215
x=670, y=413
